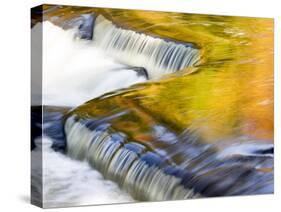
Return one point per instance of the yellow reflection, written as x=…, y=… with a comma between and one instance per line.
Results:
x=231, y=92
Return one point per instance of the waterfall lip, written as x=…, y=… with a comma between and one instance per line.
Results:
x=85, y=28
x=106, y=150
x=157, y=55
x=76, y=71
x=202, y=181
x=152, y=159
x=135, y=147
x=153, y=35
x=212, y=176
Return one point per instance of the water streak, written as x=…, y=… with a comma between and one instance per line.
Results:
x=156, y=55
x=75, y=72
x=187, y=169
x=131, y=164
x=68, y=182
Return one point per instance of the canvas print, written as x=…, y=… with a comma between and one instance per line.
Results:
x=134, y=105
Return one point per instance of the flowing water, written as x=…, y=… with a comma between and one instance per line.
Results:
x=69, y=182
x=181, y=106
x=76, y=70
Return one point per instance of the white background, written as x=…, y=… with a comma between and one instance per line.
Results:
x=15, y=101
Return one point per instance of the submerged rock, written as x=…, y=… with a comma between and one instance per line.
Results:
x=85, y=24
x=48, y=121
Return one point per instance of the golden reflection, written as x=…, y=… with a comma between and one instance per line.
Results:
x=229, y=95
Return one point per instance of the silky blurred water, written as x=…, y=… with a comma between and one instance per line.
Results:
x=68, y=182
x=225, y=102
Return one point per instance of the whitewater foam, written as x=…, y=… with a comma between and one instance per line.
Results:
x=68, y=182
x=77, y=70
x=156, y=55
x=74, y=71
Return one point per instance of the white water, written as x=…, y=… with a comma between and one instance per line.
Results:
x=156, y=55
x=68, y=182
x=75, y=72
x=143, y=182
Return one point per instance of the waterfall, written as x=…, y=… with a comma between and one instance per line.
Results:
x=123, y=162
x=75, y=72
x=150, y=176
x=79, y=66
x=79, y=70
x=156, y=55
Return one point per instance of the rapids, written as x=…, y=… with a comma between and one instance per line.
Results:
x=75, y=70
x=153, y=106
x=68, y=182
